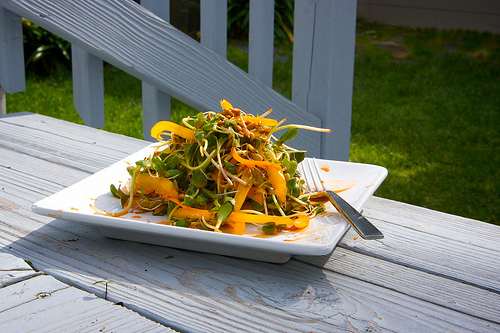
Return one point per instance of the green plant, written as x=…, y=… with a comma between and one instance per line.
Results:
x=44, y=51
x=239, y=16
x=106, y=287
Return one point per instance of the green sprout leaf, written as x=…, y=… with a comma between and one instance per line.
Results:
x=198, y=179
x=287, y=136
x=229, y=167
x=224, y=211
x=183, y=223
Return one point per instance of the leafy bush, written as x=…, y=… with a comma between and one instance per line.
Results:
x=239, y=16
x=44, y=52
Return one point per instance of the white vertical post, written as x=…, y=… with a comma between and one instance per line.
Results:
x=213, y=25
x=12, y=77
x=156, y=104
x=325, y=86
x=303, y=32
x=88, y=86
x=261, y=41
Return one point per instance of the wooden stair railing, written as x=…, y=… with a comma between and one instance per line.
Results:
x=171, y=64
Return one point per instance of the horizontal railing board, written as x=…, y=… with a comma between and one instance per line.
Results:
x=131, y=38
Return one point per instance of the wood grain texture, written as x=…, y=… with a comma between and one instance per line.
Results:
x=11, y=52
x=129, y=37
x=14, y=270
x=304, y=19
x=88, y=86
x=325, y=68
x=43, y=304
x=261, y=41
x=213, y=26
x=155, y=103
x=365, y=286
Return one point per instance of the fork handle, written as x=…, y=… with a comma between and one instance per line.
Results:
x=362, y=226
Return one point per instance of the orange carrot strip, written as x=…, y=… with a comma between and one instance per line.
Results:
x=163, y=186
x=193, y=213
x=257, y=194
x=238, y=227
x=241, y=195
x=278, y=180
x=168, y=126
x=252, y=164
x=261, y=121
x=225, y=104
x=301, y=222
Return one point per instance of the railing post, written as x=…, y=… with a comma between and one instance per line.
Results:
x=261, y=41
x=324, y=68
x=156, y=104
x=213, y=25
x=12, y=77
x=88, y=86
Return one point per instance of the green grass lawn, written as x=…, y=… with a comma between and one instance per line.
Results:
x=426, y=106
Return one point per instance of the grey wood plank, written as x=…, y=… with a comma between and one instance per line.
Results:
x=213, y=26
x=67, y=137
x=14, y=270
x=304, y=22
x=88, y=86
x=168, y=290
x=44, y=304
x=326, y=81
x=410, y=280
x=156, y=106
x=152, y=50
x=11, y=52
x=356, y=291
x=459, y=248
x=261, y=41
x=155, y=103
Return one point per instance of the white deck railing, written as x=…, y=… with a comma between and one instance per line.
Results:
x=169, y=63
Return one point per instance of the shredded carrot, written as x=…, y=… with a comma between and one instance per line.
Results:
x=277, y=178
x=251, y=163
x=261, y=121
x=168, y=126
x=241, y=195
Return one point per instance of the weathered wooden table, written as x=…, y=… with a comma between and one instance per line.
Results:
x=432, y=272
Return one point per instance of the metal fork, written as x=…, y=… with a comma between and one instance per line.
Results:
x=362, y=226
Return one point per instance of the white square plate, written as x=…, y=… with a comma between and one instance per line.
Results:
x=319, y=238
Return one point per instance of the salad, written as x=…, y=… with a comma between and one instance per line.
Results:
x=220, y=171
